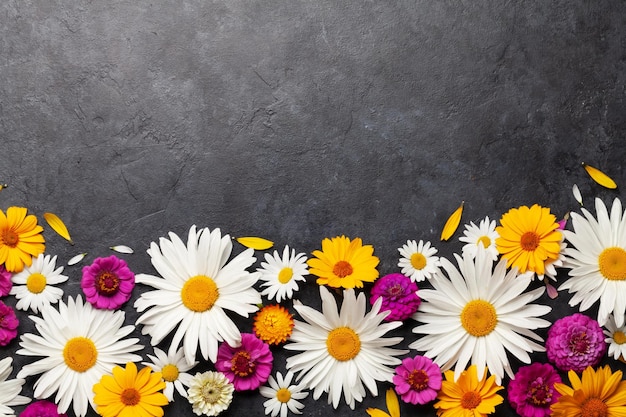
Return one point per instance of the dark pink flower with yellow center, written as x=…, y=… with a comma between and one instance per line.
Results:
x=5, y=282
x=108, y=282
x=8, y=324
x=532, y=391
x=399, y=296
x=247, y=366
x=575, y=342
x=417, y=380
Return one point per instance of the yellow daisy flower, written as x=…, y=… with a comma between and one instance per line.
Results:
x=20, y=239
x=468, y=396
x=344, y=263
x=128, y=393
x=529, y=239
x=600, y=393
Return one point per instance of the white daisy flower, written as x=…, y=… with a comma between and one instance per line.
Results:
x=418, y=261
x=79, y=344
x=281, y=275
x=615, y=338
x=10, y=390
x=173, y=368
x=477, y=315
x=34, y=286
x=283, y=396
x=483, y=235
x=343, y=352
x=210, y=393
x=195, y=289
x=598, y=261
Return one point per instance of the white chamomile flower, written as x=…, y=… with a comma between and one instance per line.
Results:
x=281, y=275
x=34, y=285
x=196, y=287
x=418, y=261
x=77, y=345
x=483, y=235
x=342, y=352
x=615, y=338
x=283, y=396
x=10, y=389
x=173, y=368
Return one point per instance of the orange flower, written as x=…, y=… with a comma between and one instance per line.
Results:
x=20, y=239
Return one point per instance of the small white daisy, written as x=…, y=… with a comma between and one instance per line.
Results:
x=418, y=261
x=283, y=397
x=173, y=368
x=484, y=235
x=281, y=275
x=78, y=344
x=615, y=338
x=10, y=389
x=196, y=287
x=210, y=393
x=343, y=351
x=34, y=286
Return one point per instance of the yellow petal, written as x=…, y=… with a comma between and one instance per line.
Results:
x=392, y=403
x=599, y=176
x=453, y=223
x=3, y=186
x=122, y=249
x=256, y=243
x=58, y=226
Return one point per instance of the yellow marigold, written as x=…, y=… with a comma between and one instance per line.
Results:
x=273, y=324
x=20, y=239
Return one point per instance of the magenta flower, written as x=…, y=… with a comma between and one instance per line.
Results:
x=107, y=282
x=8, y=324
x=417, y=380
x=532, y=391
x=575, y=342
x=399, y=296
x=41, y=408
x=247, y=366
x=5, y=282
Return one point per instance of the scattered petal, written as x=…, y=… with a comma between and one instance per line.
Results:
x=256, y=243
x=599, y=176
x=577, y=194
x=58, y=226
x=3, y=186
x=122, y=249
x=552, y=292
x=563, y=222
x=453, y=223
x=76, y=259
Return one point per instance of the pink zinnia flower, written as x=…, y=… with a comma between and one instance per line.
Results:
x=417, y=380
x=5, y=282
x=107, y=282
x=8, y=324
x=575, y=342
x=41, y=408
x=532, y=391
x=399, y=296
x=247, y=366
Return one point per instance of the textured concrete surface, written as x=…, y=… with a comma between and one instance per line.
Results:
x=299, y=120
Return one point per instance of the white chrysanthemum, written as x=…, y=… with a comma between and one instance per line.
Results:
x=195, y=289
x=615, y=338
x=283, y=396
x=343, y=351
x=418, y=261
x=281, y=275
x=598, y=261
x=210, y=393
x=10, y=389
x=34, y=286
x=483, y=235
x=173, y=368
x=78, y=344
x=477, y=315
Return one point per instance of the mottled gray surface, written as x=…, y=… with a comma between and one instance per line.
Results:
x=299, y=120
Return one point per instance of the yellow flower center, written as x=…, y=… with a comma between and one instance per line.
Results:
x=285, y=274
x=418, y=379
x=80, y=354
x=530, y=241
x=107, y=283
x=130, y=396
x=619, y=337
x=283, y=395
x=241, y=365
x=418, y=261
x=612, y=263
x=594, y=407
x=470, y=400
x=484, y=240
x=169, y=373
x=199, y=293
x=343, y=343
x=210, y=393
x=10, y=238
x=36, y=283
x=342, y=269
x=479, y=318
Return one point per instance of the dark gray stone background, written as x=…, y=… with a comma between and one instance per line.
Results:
x=299, y=120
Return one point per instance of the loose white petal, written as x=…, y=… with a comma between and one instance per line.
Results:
x=577, y=194
x=122, y=249
x=76, y=259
